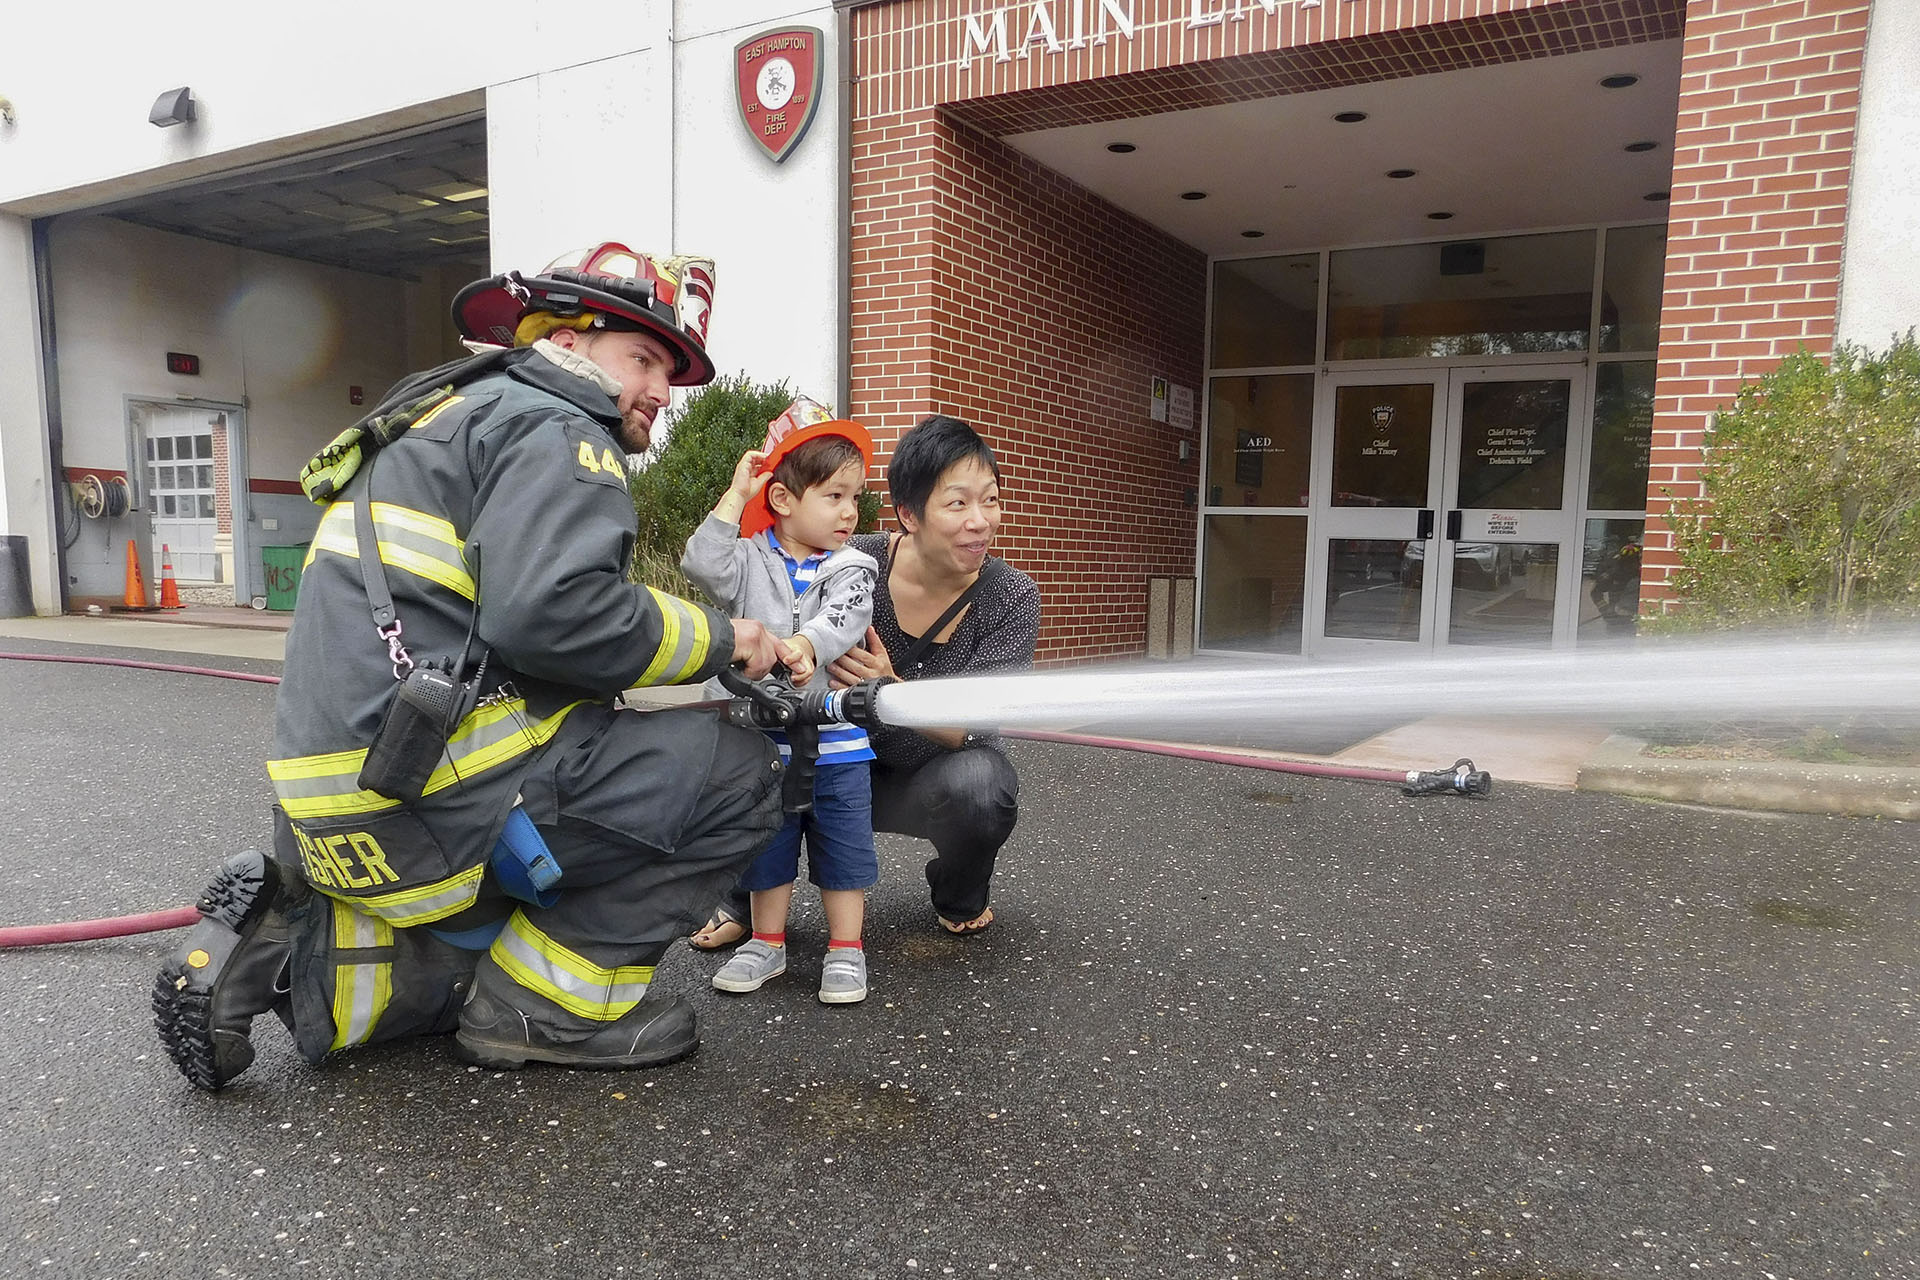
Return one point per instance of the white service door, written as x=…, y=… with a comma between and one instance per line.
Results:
x=180, y=489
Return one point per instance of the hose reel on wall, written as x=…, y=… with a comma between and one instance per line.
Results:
x=93, y=497
x=97, y=498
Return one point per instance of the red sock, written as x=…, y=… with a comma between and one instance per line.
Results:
x=771, y=939
x=833, y=943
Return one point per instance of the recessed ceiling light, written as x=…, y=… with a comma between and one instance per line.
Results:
x=1625, y=81
x=1658, y=197
x=1440, y=215
x=1193, y=195
x=1350, y=117
x=1253, y=235
x=1641, y=146
x=1120, y=148
x=1401, y=173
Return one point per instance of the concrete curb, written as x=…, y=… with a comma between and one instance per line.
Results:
x=1847, y=790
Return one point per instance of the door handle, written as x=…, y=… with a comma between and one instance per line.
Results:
x=1453, y=526
x=1423, y=528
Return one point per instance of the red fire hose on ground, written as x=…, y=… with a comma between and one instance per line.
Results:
x=1461, y=779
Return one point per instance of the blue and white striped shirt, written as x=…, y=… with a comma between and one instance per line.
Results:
x=839, y=744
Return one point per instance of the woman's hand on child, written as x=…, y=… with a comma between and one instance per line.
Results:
x=867, y=662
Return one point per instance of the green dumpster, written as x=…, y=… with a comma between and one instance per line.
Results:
x=282, y=567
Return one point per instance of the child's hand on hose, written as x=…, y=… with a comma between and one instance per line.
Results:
x=797, y=653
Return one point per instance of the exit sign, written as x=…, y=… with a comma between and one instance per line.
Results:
x=181, y=362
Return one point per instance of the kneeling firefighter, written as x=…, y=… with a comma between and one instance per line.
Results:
x=470, y=836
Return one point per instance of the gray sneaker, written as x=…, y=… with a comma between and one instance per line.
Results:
x=750, y=966
x=843, y=976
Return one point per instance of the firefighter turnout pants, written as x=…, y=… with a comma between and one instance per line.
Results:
x=628, y=888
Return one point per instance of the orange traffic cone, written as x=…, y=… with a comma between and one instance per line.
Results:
x=136, y=596
x=169, y=591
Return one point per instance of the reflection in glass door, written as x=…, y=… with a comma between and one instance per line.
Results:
x=1509, y=515
x=1383, y=468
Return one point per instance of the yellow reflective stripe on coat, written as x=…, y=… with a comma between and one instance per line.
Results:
x=567, y=978
x=361, y=992
x=685, y=639
x=328, y=786
x=490, y=736
x=421, y=544
x=325, y=786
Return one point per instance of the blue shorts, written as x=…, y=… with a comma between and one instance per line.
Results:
x=839, y=831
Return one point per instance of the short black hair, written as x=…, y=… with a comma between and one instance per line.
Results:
x=923, y=455
x=815, y=462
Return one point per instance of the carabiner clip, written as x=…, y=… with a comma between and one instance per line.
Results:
x=402, y=660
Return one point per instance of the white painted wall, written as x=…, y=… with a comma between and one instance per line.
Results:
x=773, y=229
x=607, y=119
x=1879, y=291
x=25, y=508
x=581, y=155
x=265, y=76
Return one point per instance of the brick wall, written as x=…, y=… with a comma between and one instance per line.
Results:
x=943, y=217
x=990, y=288
x=1768, y=95
x=222, y=477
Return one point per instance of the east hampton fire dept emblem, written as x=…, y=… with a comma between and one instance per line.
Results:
x=777, y=83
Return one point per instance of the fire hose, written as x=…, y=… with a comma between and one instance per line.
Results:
x=768, y=703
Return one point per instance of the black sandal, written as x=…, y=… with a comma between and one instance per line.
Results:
x=720, y=919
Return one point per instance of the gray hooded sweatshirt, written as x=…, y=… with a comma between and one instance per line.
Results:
x=747, y=578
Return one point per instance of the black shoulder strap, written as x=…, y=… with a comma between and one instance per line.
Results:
x=919, y=646
x=372, y=574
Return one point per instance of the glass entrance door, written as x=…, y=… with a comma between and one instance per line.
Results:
x=1383, y=466
x=1445, y=512
x=1510, y=505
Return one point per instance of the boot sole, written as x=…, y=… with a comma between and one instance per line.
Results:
x=512, y=1057
x=234, y=902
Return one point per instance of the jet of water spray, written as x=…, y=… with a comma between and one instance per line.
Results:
x=1669, y=681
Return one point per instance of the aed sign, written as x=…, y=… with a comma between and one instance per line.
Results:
x=181, y=362
x=777, y=86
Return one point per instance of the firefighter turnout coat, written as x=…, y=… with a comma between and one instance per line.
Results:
x=501, y=512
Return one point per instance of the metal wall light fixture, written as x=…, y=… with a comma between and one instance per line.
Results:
x=175, y=106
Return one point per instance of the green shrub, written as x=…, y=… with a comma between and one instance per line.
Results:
x=682, y=476
x=1811, y=511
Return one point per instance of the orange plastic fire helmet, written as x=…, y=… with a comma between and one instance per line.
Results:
x=758, y=515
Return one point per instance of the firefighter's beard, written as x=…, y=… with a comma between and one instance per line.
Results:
x=636, y=431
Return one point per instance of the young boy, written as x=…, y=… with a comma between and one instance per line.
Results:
x=775, y=549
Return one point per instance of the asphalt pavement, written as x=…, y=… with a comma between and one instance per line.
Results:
x=1228, y=1023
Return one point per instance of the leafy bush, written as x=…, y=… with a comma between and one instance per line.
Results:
x=1812, y=506
x=683, y=475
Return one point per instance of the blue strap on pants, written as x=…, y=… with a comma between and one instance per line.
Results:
x=524, y=869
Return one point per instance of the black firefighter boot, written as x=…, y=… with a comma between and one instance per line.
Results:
x=504, y=1027
x=230, y=968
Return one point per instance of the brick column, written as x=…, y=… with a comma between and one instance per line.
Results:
x=989, y=287
x=1769, y=90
